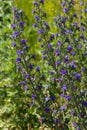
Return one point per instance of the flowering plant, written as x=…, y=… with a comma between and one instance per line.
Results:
x=58, y=93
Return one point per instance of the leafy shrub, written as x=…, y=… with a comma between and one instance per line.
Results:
x=50, y=88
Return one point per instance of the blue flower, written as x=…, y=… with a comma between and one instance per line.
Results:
x=63, y=72
x=59, y=43
x=36, y=3
x=23, y=41
x=63, y=108
x=57, y=52
x=69, y=48
x=78, y=76
x=13, y=26
x=18, y=60
x=40, y=31
x=15, y=34
x=42, y=1
x=84, y=103
x=19, y=52
x=74, y=124
x=64, y=87
x=38, y=68
x=35, y=25
x=57, y=63
x=52, y=36
x=47, y=98
x=53, y=98
x=22, y=83
x=47, y=109
x=65, y=10
x=56, y=121
x=21, y=24
x=68, y=97
x=26, y=47
x=39, y=87
x=33, y=96
x=14, y=44
x=37, y=18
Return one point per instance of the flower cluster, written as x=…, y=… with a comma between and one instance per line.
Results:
x=65, y=53
x=61, y=89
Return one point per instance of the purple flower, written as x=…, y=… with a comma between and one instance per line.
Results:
x=82, y=36
x=33, y=11
x=68, y=97
x=69, y=48
x=39, y=39
x=84, y=103
x=57, y=63
x=66, y=58
x=47, y=109
x=69, y=31
x=46, y=25
x=19, y=52
x=83, y=69
x=78, y=76
x=39, y=87
x=57, y=52
x=18, y=60
x=52, y=36
x=74, y=124
x=34, y=56
x=14, y=44
x=62, y=95
x=32, y=104
x=27, y=76
x=26, y=47
x=33, y=96
x=42, y=120
x=56, y=121
x=63, y=108
x=14, y=9
x=21, y=24
x=78, y=128
x=72, y=113
x=65, y=10
x=85, y=10
x=73, y=53
x=36, y=3
x=64, y=87
x=40, y=31
x=23, y=41
x=42, y=1
x=31, y=66
x=35, y=25
x=47, y=98
x=37, y=18
x=53, y=98
x=80, y=46
x=51, y=72
x=63, y=72
x=59, y=80
x=63, y=3
x=13, y=26
x=22, y=83
x=25, y=87
x=38, y=68
x=49, y=45
x=54, y=111
x=15, y=34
